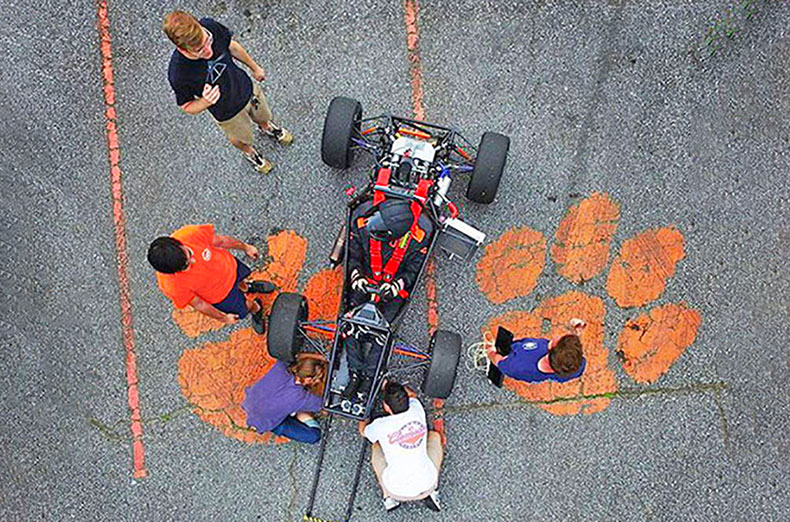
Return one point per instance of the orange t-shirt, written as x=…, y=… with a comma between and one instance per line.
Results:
x=212, y=275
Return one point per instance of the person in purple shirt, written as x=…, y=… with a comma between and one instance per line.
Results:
x=283, y=400
x=535, y=360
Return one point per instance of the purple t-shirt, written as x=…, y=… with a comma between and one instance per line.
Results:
x=274, y=397
x=522, y=363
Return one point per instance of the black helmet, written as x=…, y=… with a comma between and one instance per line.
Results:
x=391, y=219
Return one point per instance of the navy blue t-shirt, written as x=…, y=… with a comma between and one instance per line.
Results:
x=522, y=363
x=187, y=77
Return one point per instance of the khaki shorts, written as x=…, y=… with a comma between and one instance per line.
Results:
x=379, y=462
x=239, y=127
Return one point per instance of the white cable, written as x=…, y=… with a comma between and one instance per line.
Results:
x=476, y=356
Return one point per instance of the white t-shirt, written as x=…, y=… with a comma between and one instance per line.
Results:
x=403, y=437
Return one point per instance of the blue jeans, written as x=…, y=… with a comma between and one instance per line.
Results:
x=295, y=430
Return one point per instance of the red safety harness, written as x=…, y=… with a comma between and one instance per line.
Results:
x=387, y=272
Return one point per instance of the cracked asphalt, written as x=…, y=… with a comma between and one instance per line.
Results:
x=679, y=125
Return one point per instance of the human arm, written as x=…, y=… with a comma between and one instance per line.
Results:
x=356, y=252
x=493, y=356
x=361, y=425
x=229, y=242
x=210, y=310
x=241, y=54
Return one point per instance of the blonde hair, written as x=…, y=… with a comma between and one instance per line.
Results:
x=183, y=29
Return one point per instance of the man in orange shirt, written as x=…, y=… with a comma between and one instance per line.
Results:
x=194, y=268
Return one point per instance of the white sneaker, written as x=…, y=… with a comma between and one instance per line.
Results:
x=260, y=163
x=281, y=134
x=432, y=501
x=390, y=504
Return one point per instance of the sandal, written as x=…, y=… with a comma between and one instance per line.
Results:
x=260, y=287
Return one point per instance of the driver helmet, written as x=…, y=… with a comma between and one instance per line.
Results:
x=390, y=220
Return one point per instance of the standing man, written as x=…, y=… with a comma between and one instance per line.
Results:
x=194, y=268
x=204, y=76
x=406, y=457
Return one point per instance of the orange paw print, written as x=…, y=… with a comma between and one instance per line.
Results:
x=213, y=376
x=649, y=343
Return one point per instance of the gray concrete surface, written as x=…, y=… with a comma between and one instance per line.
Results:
x=602, y=96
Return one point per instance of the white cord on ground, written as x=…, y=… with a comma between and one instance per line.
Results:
x=476, y=357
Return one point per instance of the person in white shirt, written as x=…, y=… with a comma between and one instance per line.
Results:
x=406, y=456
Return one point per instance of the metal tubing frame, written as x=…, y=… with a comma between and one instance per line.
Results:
x=355, y=485
x=318, y=464
x=376, y=151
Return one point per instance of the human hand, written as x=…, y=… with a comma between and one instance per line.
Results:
x=391, y=290
x=358, y=283
x=259, y=74
x=230, y=319
x=211, y=94
x=251, y=251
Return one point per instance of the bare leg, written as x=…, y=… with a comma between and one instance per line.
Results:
x=244, y=147
x=253, y=306
x=303, y=416
x=435, y=450
x=379, y=463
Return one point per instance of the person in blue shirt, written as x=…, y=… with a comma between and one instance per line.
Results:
x=536, y=360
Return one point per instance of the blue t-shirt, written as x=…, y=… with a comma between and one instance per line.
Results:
x=274, y=397
x=522, y=363
x=187, y=77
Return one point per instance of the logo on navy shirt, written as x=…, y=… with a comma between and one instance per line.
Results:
x=215, y=69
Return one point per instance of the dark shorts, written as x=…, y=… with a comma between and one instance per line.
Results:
x=234, y=302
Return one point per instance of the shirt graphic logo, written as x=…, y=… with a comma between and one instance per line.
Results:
x=409, y=436
x=215, y=69
x=206, y=255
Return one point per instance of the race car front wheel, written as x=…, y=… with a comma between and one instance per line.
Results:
x=284, y=339
x=342, y=118
x=490, y=163
x=445, y=351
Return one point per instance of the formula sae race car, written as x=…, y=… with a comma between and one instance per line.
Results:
x=416, y=162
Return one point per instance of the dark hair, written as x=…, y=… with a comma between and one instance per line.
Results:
x=395, y=397
x=166, y=256
x=566, y=356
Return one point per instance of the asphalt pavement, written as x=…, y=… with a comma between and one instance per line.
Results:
x=679, y=125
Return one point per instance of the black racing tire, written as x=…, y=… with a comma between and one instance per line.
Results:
x=445, y=351
x=487, y=173
x=342, y=118
x=284, y=340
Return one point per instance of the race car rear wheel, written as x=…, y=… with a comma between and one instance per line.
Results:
x=342, y=118
x=284, y=339
x=490, y=163
x=445, y=352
